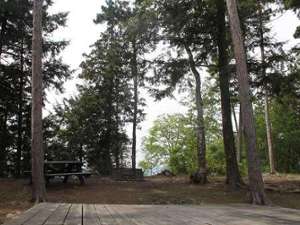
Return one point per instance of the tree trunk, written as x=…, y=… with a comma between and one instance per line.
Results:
x=3, y=144
x=256, y=184
x=266, y=101
x=2, y=33
x=37, y=153
x=240, y=135
x=20, y=114
x=269, y=136
x=232, y=170
x=135, y=87
x=201, y=175
x=81, y=154
x=238, y=149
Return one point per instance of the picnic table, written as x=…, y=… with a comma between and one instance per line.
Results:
x=64, y=169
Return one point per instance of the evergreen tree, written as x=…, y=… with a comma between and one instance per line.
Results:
x=15, y=73
x=256, y=183
x=138, y=28
x=105, y=72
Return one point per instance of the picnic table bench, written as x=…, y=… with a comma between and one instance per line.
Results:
x=64, y=169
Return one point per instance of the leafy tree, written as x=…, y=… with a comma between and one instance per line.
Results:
x=180, y=23
x=284, y=117
x=172, y=142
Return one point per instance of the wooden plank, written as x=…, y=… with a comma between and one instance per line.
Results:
x=146, y=215
x=135, y=214
x=160, y=214
x=117, y=211
x=41, y=217
x=119, y=219
x=26, y=215
x=74, y=216
x=104, y=216
x=90, y=215
x=185, y=215
x=59, y=215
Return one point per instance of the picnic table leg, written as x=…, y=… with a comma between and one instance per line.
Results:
x=82, y=180
x=66, y=179
x=30, y=180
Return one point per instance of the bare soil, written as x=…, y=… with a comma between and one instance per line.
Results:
x=282, y=190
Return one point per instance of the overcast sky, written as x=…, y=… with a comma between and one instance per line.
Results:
x=82, y=32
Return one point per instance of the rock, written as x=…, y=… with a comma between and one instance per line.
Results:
x=166, y=173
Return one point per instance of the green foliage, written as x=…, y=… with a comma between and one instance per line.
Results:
x=285, y=130
x=15, y=77
x=172, y=143
x=172, y=140
x=91, y=126
x=216, y=158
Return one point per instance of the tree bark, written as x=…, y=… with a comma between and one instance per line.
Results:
x=20, y=113
x=201, y=175
x=135, y=104
x=37, y=153
x=269, y=135
x=233, y=178
x=256, y=184
x=266, y=100
x=3, y=144
x=238, y=150
x=240, y=135
x=106, y=156
x=2, y=33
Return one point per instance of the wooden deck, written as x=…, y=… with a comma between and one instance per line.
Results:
x=83, y=214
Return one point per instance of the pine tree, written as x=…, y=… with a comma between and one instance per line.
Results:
x=233, y=176
x=15, y=73
x=256, y=183
x=137, y=26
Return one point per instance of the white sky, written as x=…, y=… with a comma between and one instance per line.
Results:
x=82, y=32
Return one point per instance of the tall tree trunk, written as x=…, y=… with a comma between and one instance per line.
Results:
x=37, y=153
x=107, y=160
x=117, y=149
x=201, y=175
x=269, y=135
x=3, y=144
x=20, y=113
x=135, y=89
x=232, y=170
x=266, y=100
x=256, y=184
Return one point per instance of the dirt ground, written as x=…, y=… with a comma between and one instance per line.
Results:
x=282, y=191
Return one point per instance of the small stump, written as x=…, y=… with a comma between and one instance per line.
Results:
x=199, y=177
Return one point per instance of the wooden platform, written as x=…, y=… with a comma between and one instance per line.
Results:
x=79, y=214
